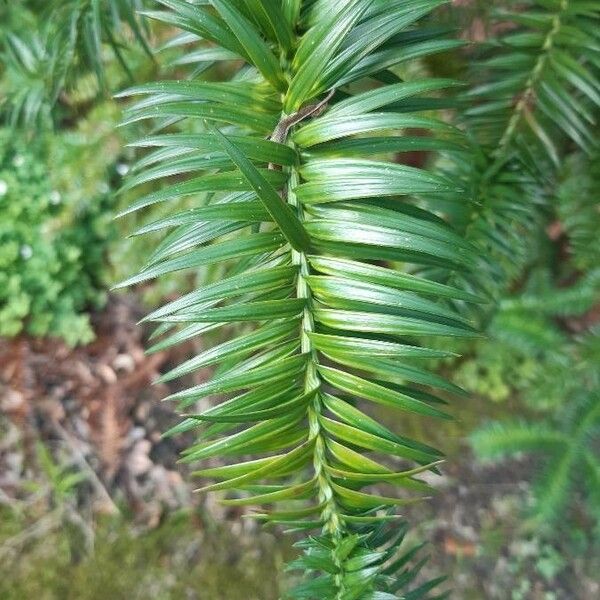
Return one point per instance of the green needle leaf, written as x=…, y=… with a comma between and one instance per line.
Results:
x=282, y=214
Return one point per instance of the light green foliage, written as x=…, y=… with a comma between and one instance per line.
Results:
x=62, y=479
x=46, y=537
x=52, y=254
x=553, y=373
x=529, y=354
x=532, y=353
x=313, y=327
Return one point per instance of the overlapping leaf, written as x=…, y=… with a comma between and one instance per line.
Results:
x=317, y=324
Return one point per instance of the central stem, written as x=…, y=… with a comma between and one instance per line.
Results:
x=330, y=512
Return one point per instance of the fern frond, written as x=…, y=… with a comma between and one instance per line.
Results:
x=573, y=300
x=498, y=440
x=316, y=325
x=28, y=62
x=536, y=97
x=591, y=477
x=505, y=222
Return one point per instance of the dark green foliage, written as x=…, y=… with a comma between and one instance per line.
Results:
x=52, y=254
x=535, y=95
x=534, y=109
x=577, y=209
x=545, y=346
x=312, y=327
x=537, y=83
x=47, y=48
x=327, y=270
x=567, y=447
x=372, y=557
x=519, y=123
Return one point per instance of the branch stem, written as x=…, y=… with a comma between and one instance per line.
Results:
x=528, y=95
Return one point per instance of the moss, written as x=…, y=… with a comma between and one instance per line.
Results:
x=177, y=561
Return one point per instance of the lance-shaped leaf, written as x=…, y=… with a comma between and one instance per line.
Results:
x=282, y=214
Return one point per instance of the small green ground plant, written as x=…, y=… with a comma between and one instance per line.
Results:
x=566, y=445
x=173, y=561
x=52, y=251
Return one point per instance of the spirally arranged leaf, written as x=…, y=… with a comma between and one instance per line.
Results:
x=314, y=324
